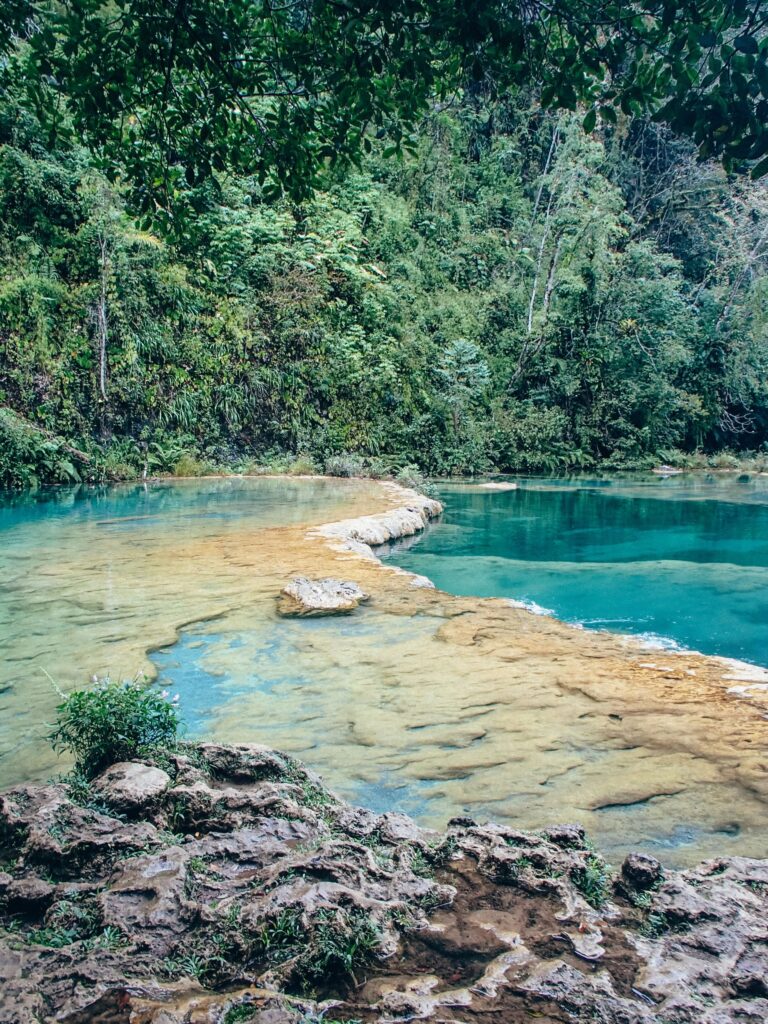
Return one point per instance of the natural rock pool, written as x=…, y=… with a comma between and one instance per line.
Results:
x=94, y=576
x=680, y=561
x=421, y=701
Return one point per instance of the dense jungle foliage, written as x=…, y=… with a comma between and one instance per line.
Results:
x=517, y=294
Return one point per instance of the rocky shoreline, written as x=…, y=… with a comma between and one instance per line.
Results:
x=225, y=883
x=410, y=515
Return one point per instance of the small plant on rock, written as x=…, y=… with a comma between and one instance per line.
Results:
x=53, y=938
x=281, y=937
x=641, y=900
x=113, y=722
x=321, y=951
x=420, y=865
x=75, y=918
x=655, y=925
x=443, y=850
x=239, y=1012
x=319, y=1018
x=591, y=880
x=81, y=793
x=341, y=942
x=187, y=964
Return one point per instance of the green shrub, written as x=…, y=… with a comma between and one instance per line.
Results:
x=411, y=476
x=190, y=465
x=382, y=466
x=113, y=722
x=528, y=438
x=119, y=459
x=302, y=465
x=725, y=460
x=29, y=457
x=345, y=465
x=164, y=453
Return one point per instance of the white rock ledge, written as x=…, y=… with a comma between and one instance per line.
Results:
x=422, y=582
x=361, y=534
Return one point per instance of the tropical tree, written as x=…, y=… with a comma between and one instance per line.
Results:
x=168, y=93
x=463, y=378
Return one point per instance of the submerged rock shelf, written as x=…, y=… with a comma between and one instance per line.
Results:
x=420, y=701
x=228, y=884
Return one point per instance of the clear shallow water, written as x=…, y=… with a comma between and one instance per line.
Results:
x=91, y=577
x=321, y=688
x=680, y=559
x=398, y=714
x=420, y=702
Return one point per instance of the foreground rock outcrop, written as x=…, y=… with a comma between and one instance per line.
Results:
x=227, y=884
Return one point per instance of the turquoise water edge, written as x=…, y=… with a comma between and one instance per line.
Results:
x=681, y=561
x=182, y=577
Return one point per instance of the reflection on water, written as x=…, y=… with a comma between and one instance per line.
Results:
x=684, y=558
x=420, y=702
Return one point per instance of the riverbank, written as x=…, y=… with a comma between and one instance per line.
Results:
x=227, y=884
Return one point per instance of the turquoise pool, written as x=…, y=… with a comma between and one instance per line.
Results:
x=682, y=561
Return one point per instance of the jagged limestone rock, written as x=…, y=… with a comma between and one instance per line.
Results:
x=246, y=883
x=130, y=785
x=641, y=871
x=304, y=597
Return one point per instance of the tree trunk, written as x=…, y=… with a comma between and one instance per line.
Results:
x=550, y=286
x=544, y=173
x=102, y=331
x=101, y=317
x=539, y=261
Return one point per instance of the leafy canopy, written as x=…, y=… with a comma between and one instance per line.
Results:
x=164, y=90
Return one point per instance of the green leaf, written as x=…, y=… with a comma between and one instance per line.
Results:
x=746, y=43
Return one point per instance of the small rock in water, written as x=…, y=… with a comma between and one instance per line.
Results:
x=422, y=582
x=319, y=597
